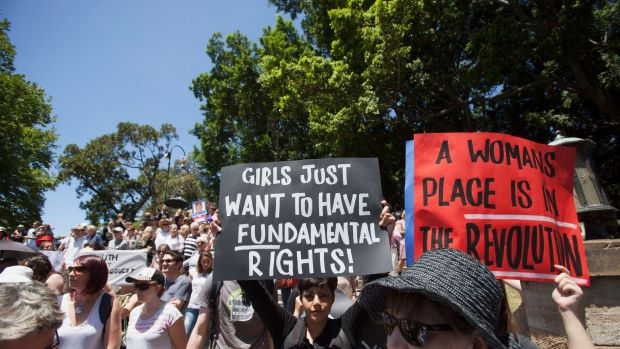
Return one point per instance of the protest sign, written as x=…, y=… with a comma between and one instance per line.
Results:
x=55, y=258
x=502, y=199
x=409, y=239
x=120, y=263
x=199, y=211
x=301, y=218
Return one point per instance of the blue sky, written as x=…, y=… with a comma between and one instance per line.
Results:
x=104, y=62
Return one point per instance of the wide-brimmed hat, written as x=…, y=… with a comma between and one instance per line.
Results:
x=147, y=274
x=448, y=277
x=16, y=273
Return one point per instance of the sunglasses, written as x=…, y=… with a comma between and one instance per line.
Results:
x=414, y=332
x=142, y=286
x=77, y=269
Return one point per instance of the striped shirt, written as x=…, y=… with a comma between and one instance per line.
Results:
x=189, y=247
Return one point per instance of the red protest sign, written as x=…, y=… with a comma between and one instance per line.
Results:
x=502, y=199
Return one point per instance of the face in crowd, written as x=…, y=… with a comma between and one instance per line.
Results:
x=317, y=297
x=148, y=291
x=413, y=321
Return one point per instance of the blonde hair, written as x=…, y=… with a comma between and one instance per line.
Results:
x=148, y=230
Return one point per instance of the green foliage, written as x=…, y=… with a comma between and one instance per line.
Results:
x=118, y=172
x=365, y=75
x=26, y=141
x=185, y=180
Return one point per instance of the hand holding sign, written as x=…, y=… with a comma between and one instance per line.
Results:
x=504, y=200
x=301, y=218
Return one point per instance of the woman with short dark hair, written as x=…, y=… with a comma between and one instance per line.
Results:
x=316, y=329
x=43, y=271
x=82, y=326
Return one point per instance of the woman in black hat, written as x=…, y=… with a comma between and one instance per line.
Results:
x=448, y=299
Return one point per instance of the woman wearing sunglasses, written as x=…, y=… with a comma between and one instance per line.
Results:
x=448, y=299
x=82, y=326
x=153, y=324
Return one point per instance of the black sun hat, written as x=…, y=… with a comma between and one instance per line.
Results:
x=448, y=277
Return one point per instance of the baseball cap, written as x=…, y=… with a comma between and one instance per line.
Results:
x=147, y=274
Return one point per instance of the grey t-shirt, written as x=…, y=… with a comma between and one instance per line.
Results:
x=181, y=288
x=237, y=325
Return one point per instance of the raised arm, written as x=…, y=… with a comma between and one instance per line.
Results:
x=278, y=321
x=567, y=295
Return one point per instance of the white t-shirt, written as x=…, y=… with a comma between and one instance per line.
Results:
x=85, y=335
x=160, y=237
x=175, y=243
x=72, y=247
x=198, y=284
x=151, y=333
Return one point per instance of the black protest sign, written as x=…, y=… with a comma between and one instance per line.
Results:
x=300, y=218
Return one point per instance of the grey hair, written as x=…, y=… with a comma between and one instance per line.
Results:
x=27, y=308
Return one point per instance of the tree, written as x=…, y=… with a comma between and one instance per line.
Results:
x=185, y=181
x=27, y=141
x=365, y=75
x=118, y=172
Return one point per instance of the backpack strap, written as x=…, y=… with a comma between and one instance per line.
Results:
x=105, y=308
x=214, y=294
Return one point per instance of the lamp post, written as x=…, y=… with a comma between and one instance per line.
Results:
x=168, y=155
x=599, y=219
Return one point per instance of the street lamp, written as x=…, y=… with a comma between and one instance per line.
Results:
x=168, y=156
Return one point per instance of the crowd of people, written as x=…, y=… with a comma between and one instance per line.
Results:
x=447, y=299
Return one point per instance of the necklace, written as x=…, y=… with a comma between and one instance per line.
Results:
x=79, y=309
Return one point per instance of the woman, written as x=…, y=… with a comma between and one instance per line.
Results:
x=153, y=324
x=161, y=251
x=82, y=326
x=447, y=299
x=148, y=243
x=175, y=241
x=184, y=231
x=46, y=243
x=199, y=278
x=43, y=271
x=191, y=263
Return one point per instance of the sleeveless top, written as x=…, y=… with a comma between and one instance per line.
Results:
x=85, y=335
